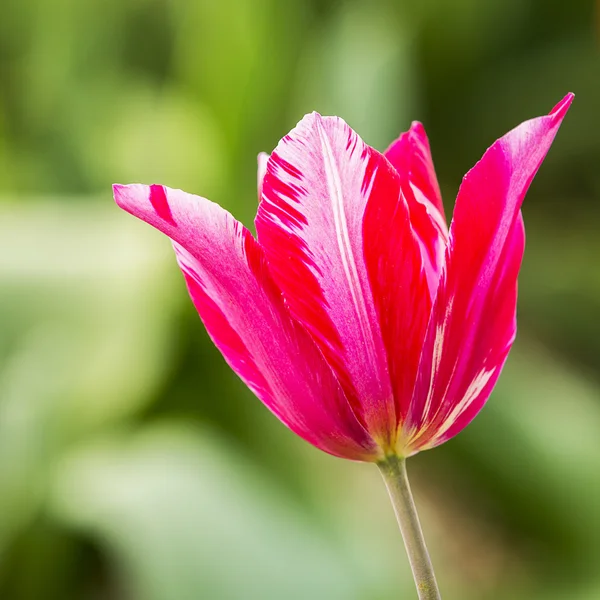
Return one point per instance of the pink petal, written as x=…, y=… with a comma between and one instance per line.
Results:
x=245, y=316
x=310, y=223
x=411, y=156
x=399, y=284
x=473, y=318
x=501, y=302
x=262, y=160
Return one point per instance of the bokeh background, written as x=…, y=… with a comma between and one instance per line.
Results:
x=133, y=464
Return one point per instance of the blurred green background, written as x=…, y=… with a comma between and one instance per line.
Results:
x=133, y=464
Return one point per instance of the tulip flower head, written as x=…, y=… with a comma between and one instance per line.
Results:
x=358, y=318
x=355, y=315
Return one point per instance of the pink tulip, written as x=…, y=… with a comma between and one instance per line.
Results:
x=357, y=318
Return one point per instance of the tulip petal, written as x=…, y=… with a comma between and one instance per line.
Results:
x=245, y=315
x=473, y=318
x=399, y=284
x=411, y=157
x=502, y=303
x=310, y=223
x=262, y=160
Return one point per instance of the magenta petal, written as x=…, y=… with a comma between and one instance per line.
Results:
x=473, y=318
x=310, y=223
x=503, y=329
x=411, y=157
x=399, y=284
x=245, y=316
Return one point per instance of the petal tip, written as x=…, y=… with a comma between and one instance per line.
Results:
x=118, y=190
x=307, y=122
x=417, y=127
x=310, y=117
x=560, y=110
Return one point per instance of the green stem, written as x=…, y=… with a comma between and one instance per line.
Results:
x=393, y=470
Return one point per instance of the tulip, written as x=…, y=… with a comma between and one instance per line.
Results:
x=363, y=323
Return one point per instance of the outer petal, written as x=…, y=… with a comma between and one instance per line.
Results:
x=244, y=314
x=502, y=303
x=473, y=318
x=310, y=222
x=411, y=157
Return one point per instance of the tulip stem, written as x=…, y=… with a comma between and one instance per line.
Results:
x=393, y=470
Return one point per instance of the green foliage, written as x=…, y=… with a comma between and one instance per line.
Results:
x=133, y=464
